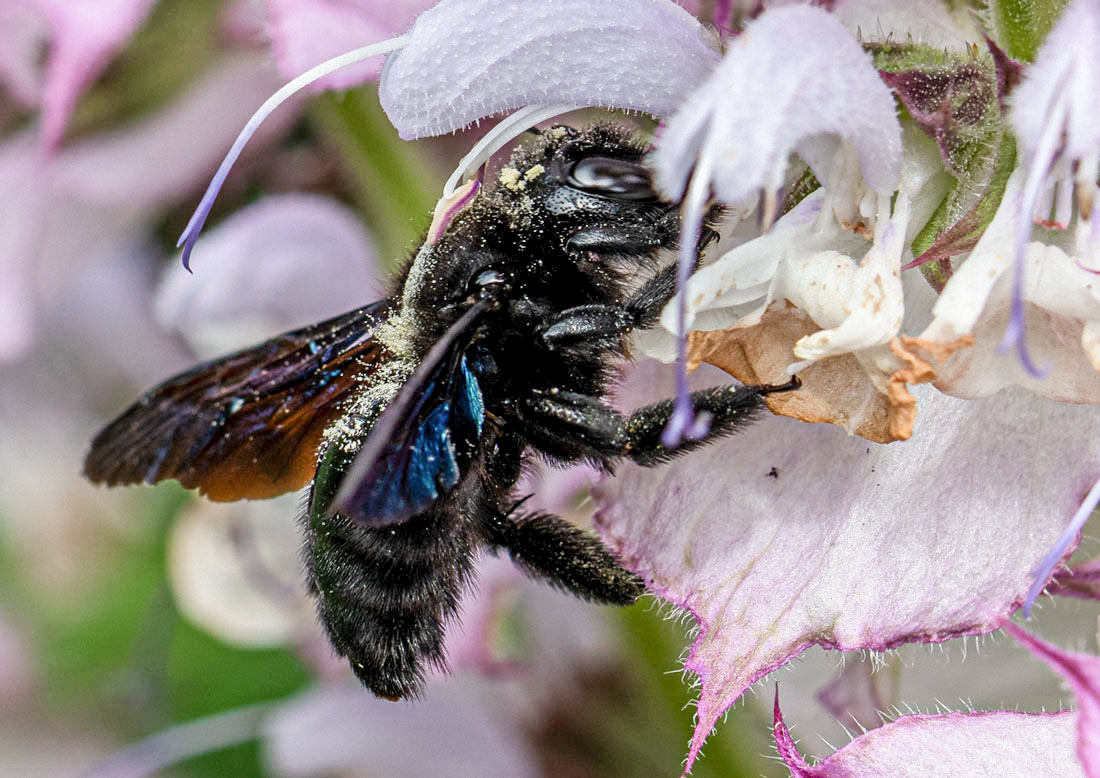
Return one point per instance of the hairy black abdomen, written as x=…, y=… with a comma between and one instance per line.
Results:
x=385, y=595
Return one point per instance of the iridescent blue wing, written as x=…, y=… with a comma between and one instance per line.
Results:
x=246, y=426
x=423, y=441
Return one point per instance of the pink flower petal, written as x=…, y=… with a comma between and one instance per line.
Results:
x=961, y=745
x=95, y=197
x=85, y=35
x=642, y=55
x=305, y=33
x=1082, y=673
x=153, y=162
x=850, y=545
x=334, y=731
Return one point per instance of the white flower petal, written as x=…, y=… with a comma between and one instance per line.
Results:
x=242, y=588
x=931, y=22
x=963, y=298
x=642, y=55
x=872, y=306
x=794, y=73
x=753, y=265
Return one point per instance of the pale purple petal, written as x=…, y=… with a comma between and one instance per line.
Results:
x=1082, y=673
x=305, y=33
x=84, y=36
x=286, y=261
x=961, y=745
x=852, y=545
x=794, y=74
x=469, y=59
x=1065, y=543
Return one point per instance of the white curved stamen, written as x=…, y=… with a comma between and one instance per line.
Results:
x=508, y=128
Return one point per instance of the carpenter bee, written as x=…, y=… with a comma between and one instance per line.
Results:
x=412, y=416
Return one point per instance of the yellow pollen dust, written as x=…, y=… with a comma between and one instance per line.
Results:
x=510, y=179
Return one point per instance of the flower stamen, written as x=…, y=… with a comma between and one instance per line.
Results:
x=198, y=218
x=1054, y=557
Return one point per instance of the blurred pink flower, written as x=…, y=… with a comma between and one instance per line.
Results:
x=92, y=198
x=82, y=36
x=305, y=33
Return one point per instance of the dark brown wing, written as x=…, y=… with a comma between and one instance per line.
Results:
x=245, y=426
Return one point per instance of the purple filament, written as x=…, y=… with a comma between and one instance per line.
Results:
x=1054, y=557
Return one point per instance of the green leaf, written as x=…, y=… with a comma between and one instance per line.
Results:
x=1020, y=26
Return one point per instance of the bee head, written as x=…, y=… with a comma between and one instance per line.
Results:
x=585, y=192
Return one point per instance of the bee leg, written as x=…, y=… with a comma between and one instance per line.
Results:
x=590, y=325
x=603, y=325
x=646, y=304
x=728, y=408
x=573, y=427
x=576, y=426
x=548, y=547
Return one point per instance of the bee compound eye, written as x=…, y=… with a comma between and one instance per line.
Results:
x=612, y=178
